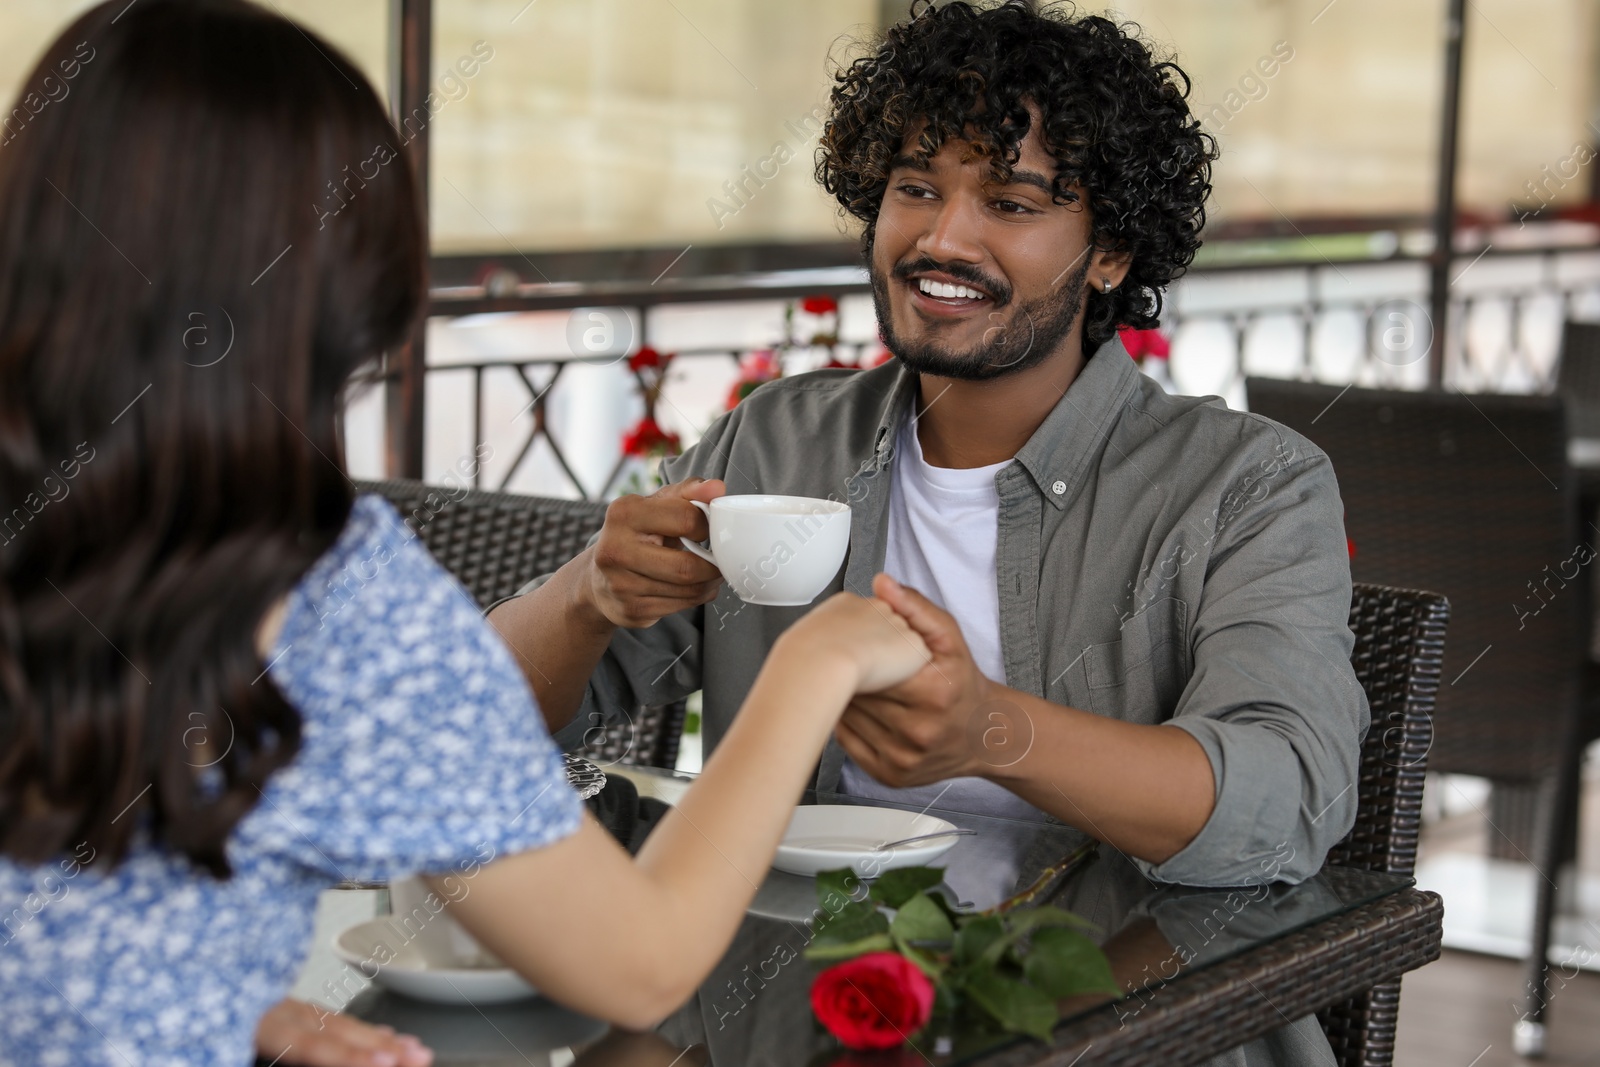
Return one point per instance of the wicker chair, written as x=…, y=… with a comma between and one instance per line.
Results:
x=1399, y=647
x=1473, y=497
x=495, y=543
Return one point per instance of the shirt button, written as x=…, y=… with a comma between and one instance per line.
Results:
x=1058, y=488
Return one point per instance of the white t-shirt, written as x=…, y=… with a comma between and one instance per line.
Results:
x=943, y=532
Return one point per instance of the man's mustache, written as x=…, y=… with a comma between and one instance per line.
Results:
x=999, y=291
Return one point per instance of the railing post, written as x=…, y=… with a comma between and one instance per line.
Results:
x=1444, y=216
x=410, y=73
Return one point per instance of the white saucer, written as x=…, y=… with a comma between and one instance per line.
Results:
x=825, y=837
x=386, y=947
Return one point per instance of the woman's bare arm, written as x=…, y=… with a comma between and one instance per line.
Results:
x=629, y=940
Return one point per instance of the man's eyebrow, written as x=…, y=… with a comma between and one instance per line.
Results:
x=908, y=162
x=1018, y=177
x=1033, y=178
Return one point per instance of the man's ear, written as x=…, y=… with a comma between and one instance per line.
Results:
x=1108, y=265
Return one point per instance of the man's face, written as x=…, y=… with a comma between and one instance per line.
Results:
x=1021, y=261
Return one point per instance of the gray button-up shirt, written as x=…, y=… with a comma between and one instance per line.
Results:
x=1161, y=559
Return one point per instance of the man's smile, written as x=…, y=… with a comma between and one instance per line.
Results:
x=939, y=295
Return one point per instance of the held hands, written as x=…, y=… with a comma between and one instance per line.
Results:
x=878, y=645
x=636, y=573
x=937, y=723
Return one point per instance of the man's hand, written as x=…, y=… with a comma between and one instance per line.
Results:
x=930, y=727
x=295, y=1032
x=637, y=573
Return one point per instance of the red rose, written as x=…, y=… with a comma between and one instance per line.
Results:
x=819, y=305
x=874, y=1001
x=645, y=357
x=646, y=437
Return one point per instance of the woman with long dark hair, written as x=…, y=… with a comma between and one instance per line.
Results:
x=225, y=681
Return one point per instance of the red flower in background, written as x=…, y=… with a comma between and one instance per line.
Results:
x=873, y=1001
x=646, y=357
x=755, y=368
x=647, y=438
x=1141, y=343
x=819, y=305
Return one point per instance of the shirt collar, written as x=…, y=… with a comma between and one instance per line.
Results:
x=1057, y=455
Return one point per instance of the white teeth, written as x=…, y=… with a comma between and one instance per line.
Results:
x=946, y=290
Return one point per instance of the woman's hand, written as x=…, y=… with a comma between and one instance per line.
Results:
x=863, y=632
x=295, y=1032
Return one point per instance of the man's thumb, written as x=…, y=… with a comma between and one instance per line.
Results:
x=703, y=489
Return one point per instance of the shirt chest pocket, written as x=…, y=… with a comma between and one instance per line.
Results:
x=1140, y=677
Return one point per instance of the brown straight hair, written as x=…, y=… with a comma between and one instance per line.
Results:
x=180, y=313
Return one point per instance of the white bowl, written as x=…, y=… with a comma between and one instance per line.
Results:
x=384, y=951
x=825, y=837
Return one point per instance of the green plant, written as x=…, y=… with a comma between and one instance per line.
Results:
x=1008, y=965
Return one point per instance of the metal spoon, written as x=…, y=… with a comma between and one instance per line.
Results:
x=923, y=837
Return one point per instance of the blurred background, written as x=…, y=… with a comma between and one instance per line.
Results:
x=623, y=155
x=627, y=236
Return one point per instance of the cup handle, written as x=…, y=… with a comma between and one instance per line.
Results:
x=701, y=550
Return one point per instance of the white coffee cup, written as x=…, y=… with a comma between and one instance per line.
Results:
x=780, y=551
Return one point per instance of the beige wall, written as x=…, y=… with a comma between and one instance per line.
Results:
x=614, y=122
x=606, y=123
x=359, y=27
x=1349, y=125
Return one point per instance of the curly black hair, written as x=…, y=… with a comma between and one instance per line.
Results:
x=1115, y=118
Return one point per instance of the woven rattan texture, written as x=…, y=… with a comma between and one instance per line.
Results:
x=1237, y=1000
x=494, y=544
x=1471, y=497
x=1399, y=645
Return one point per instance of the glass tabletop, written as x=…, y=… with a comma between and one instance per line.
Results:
x=754, y=1008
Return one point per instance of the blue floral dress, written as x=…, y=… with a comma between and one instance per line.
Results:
x=422, y=751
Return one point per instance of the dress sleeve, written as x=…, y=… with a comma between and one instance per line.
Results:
x=422, y=748
x=1273, y=699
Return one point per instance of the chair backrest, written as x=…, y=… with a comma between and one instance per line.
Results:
x=495, y=543
x=1578, y=376
x=1397, y=656
x=1469, y=496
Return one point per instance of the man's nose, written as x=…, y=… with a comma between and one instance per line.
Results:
x=955, y=233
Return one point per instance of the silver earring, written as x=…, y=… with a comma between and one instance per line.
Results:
x=1105, y=284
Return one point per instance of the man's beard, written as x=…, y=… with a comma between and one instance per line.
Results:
x=1028, y=338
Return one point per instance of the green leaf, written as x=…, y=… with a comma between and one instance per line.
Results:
x=845, y=950
x=854, y=921
x=919, y=919
x=975, y=937
x=1016, y=925
x=896, y=887
x=930, y=966
x=1064, y=963
x=835, y=887
x=1016, y=1006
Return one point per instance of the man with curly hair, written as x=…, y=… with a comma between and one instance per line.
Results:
x=1137, y=602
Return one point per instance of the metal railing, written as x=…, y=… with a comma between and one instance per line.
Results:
x=1363, y=323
